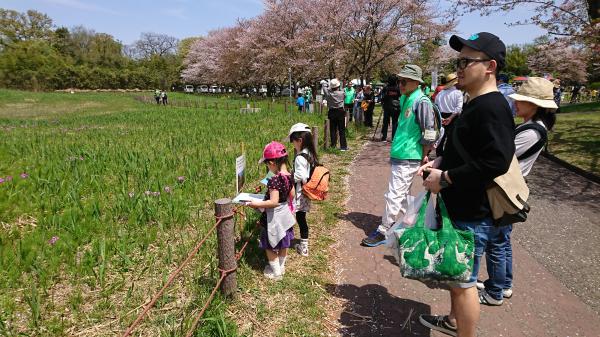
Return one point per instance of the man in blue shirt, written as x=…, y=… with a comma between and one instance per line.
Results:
x=300, y=103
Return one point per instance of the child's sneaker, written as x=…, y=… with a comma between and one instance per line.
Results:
x=270, y=274
x=302, y=248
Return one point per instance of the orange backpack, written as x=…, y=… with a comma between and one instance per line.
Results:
x=317, y=186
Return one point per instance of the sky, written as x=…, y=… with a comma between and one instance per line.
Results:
x=127, y=19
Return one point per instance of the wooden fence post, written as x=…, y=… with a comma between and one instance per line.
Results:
x=226, y=245
x=315, y=133
x=326, y=134
x=286, y=107
x=216, y=106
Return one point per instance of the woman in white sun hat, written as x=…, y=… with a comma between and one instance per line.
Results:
x=535, y=104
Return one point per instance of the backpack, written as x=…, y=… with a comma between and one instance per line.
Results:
x=437, y=117
x=539, y=144
x=317, y=186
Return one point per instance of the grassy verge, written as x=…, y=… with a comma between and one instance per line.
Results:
x=296, y=306
x=582, y=107
x=576, y=139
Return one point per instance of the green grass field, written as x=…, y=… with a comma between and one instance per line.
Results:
x=582, y=107
x=576, y=139
x=103, y=196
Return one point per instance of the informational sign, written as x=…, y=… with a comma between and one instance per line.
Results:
x=240, y=172
x=319, y=98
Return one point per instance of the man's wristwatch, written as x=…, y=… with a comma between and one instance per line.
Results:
x=443, y=182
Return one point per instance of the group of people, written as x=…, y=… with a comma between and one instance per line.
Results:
x=479, y=120
x=160, y=96
x=477, y=112
x=284, y=204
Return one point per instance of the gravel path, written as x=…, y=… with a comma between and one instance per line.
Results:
x=556, y=290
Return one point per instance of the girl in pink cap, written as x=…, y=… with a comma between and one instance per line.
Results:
x=277, y=220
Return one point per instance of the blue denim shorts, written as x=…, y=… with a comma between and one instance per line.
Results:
x=482, y=231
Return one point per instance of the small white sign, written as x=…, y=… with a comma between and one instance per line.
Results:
x=319, y=98
x=240, y=171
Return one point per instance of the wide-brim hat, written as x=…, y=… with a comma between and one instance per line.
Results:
x=335, y=83
x=538, y=91
x=451, y=79
x=298, y=127
x=412, y=72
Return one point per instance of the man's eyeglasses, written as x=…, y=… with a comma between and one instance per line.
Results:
x=402, y=82
x=463, y=62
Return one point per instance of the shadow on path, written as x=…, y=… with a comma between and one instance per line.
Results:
x=372, y=311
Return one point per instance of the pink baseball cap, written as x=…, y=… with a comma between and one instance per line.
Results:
x=273, y=150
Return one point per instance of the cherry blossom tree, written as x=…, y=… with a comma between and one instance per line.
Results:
x=560, y=59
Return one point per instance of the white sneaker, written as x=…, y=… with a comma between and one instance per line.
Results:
x=480, y=285
x=268, y=273
x=507, y=293
x=485, y=298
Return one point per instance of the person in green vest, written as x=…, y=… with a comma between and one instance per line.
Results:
x=349, y=95
x=414, y=138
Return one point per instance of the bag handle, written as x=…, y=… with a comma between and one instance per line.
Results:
x=446, y=222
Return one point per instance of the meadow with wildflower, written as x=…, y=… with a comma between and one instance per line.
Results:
x=101, y=196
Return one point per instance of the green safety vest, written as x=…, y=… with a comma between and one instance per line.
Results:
x=349, y=95
x=406, y=143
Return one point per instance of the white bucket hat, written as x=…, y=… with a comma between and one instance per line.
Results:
x=335, y=83
x=538, y=91
x=298, y=127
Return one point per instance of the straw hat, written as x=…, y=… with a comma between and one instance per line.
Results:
x=451, y=79
x=538, y=91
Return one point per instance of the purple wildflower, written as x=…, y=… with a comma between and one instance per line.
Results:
x=156, y=194
x=148, y=193
x=24, y=175
x=9, y=178
x=80, y=158
x=53, y=240
x=181, y=179
x=1, y=180
x=168, y=189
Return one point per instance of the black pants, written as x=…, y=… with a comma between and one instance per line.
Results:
x=368, y=117
x=301, y=220
x=337, y=124
x=395, y=116
x=386, y=123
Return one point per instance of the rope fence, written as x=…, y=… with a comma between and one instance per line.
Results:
x=224, y=224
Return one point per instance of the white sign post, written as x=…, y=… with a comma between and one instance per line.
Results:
x=240, y=172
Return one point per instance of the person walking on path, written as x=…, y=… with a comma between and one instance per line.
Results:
x=336, y=114
x=357, y=111
x=506, y=90
x=485, y=129
x=368, y=102
x=163, y=97
x=535, y=104
x=300, y=103
x=157, y=96
x=414, y=139
x=277, y=219
x=390, y=102
x=349, y=95
x=306, y=159
x=450, y=100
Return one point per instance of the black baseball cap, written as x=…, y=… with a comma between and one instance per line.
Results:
x=485, y=42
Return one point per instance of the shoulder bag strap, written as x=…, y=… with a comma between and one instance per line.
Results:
x=533, y=149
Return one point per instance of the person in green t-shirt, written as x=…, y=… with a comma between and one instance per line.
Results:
x=349, y=95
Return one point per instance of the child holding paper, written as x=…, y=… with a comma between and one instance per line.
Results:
x=277, y=220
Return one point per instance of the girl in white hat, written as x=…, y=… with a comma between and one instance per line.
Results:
x=535, y=104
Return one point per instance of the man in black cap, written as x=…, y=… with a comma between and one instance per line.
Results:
x=485, y=131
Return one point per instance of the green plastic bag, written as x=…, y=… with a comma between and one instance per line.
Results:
x=445, y=254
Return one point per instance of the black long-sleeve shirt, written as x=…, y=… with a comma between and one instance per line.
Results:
x=486, y=131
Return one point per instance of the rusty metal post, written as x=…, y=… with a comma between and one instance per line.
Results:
x=226, y=245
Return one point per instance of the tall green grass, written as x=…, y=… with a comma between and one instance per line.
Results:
x=107, y=195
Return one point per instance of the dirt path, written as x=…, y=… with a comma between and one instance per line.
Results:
x=562, y=239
